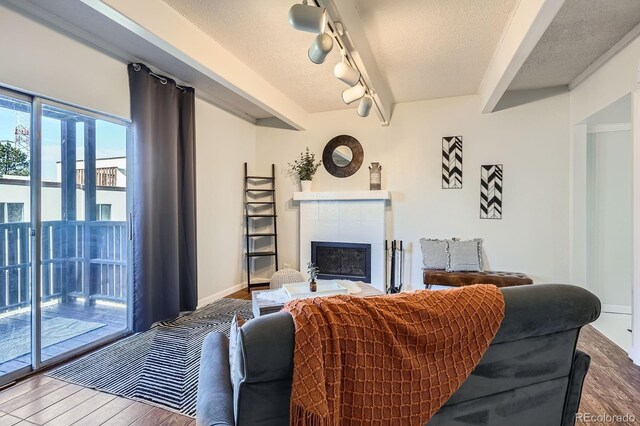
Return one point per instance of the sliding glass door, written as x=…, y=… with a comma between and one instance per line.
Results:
x=76, y=184
x=15, y=241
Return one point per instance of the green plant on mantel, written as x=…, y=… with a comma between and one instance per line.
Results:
x=306, y=166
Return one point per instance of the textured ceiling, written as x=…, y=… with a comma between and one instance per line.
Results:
x=434, y=48
x=258, y=33
x=582, y=31
x=425, y=48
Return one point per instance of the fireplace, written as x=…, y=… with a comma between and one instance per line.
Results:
x=347, y=261
x=345, y=216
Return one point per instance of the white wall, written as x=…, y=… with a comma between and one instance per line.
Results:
x=224, y=143
x=531, y=141
x=609, y=218
x=38, y=59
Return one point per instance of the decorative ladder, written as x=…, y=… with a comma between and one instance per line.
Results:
x=251, y=204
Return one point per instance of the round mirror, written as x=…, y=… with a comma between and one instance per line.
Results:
x=342, y=156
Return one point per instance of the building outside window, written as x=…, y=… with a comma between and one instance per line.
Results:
x=103, y=212
x=11, y=212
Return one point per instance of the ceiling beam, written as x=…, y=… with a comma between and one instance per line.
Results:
x=168, y=42
x=528, y=23
x=595, y=65
x=357, y=45
x=171, y=31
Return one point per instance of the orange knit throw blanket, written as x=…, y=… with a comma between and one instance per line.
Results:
x=387, y=360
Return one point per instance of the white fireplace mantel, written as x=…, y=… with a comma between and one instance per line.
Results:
x=341, y=195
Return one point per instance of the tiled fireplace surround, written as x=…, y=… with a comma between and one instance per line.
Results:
x=348, y=217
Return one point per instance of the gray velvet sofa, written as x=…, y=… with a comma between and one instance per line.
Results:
x=531, y=375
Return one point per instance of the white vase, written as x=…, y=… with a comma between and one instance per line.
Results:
x=305, y=185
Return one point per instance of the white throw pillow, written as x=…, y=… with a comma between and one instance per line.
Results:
x=234, y=336
x=434, y=253
x=465, y=256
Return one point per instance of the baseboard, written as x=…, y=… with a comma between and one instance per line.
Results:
x=617, y=309
x=219, y=295
x=634, y=355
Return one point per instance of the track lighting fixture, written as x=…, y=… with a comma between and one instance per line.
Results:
x=365, y=106
x=313, y=19
x=346, y=73
x=305, y=17
x=320, y=48
x=352, y=94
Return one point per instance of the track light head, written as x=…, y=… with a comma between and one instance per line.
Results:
x=320, y=48
x=346, y=73
x=352, y=94
x=365, y=106
x=308, y=18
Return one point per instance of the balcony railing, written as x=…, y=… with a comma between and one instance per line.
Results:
x=105, y=176
x=79, y=260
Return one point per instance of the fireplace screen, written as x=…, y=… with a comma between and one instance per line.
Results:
x=348, y=261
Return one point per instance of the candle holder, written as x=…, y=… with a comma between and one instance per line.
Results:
x=375, y=177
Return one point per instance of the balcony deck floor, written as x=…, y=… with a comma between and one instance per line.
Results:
x=113, y=317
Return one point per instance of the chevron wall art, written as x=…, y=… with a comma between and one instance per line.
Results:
x=491, y=191
x=452, y=162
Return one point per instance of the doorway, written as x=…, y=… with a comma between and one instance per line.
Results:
x=609, y=217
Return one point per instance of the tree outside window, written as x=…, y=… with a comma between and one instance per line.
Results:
x=13, y=161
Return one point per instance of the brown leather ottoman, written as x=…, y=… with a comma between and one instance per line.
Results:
x=459, y=279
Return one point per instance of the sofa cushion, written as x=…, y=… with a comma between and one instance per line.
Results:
x=533, y=405
x=234, y=334
x=261, y=397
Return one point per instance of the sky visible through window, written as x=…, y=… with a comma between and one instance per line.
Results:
x=110, y=139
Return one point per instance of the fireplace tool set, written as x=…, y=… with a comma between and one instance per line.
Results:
x=394, y=254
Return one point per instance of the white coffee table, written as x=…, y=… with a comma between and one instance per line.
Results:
x=265, y=305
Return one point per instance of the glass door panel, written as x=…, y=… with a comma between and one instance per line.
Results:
x=84, y=230
x=15, y=258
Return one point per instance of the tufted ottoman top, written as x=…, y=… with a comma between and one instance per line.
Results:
x=458, y=279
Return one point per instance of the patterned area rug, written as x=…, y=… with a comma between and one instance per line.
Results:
x=160, y=365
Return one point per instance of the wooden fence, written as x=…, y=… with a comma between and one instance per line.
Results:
x=79, y=259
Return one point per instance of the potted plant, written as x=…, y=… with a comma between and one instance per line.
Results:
x=313, y=275
x=304, y=168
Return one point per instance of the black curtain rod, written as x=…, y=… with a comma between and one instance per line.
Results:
x=163, y=80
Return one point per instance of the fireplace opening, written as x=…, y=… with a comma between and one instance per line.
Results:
x=347, y=261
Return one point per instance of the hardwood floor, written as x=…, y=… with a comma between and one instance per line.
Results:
x=42, y=400
x=612, y=388
x=244, y=294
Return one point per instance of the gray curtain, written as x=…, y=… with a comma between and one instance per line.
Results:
x=164, y=198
